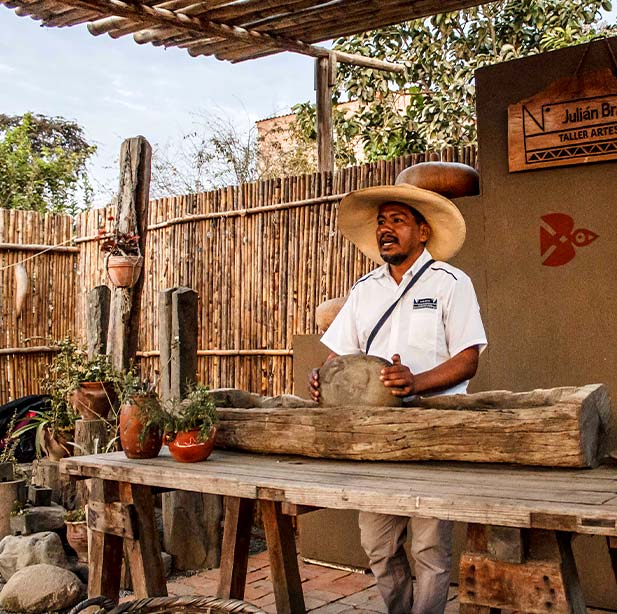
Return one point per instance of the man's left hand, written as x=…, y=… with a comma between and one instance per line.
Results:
x=399, y=378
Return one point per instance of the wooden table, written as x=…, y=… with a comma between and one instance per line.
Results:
x=521, y=519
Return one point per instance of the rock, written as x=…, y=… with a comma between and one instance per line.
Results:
x=353, y=379
x=327, y=311
x=41, y=588
x=287, y=400
x=167, y=563
x=79, y=569
x=37, y=519
x=231, y=397
x=17, y=552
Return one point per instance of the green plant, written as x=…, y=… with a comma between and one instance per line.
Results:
x=140, y=392
x=195, y=412
x=10, y=442
x=78, y=515
x=68, y=368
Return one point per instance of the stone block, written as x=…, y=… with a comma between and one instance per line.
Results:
x=37, y=519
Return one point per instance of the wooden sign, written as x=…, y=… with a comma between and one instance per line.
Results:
x=572, y=121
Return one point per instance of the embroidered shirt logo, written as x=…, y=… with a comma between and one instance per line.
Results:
x=425, y=303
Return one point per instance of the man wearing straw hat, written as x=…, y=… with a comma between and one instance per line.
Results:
x=422, y=314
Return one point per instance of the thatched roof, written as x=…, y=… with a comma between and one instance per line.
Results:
x=233, y=30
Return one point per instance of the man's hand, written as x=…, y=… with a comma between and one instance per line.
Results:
x=313, y=384
x=399, y=378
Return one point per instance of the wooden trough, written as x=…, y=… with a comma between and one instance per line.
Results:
x=558, y=427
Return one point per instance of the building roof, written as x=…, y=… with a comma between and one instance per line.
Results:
x=234, y=30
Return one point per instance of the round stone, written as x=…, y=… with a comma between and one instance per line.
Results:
x=353, y=379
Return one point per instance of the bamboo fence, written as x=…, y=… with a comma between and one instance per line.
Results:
x=25, y=340
x=261, y=256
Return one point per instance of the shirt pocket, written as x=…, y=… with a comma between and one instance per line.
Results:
x=423, y=330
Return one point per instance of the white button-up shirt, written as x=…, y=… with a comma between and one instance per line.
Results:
x=435, y=320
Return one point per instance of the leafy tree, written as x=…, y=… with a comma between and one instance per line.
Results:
x=43, y=164
x=216, y=153
x=432, y=104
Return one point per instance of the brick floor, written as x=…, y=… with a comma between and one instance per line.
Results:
x=326, y=590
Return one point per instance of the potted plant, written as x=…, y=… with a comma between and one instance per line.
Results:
x=93, y=383
x=77, y=532
x=123, y=259
x=190, y=428
x=141, y=418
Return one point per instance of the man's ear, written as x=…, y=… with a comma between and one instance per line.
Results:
x=425, y=232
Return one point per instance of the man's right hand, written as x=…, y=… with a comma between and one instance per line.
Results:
x=313, y=384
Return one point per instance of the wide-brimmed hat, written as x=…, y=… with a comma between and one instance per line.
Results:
x=357, y=218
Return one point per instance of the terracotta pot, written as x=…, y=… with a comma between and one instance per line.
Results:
x=124, y=271
x=131, y=426
x=93, y=400
x=77, y=536
x=186, y=447
x=56, y=447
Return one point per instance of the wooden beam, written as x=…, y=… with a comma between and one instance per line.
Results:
x=325, y=78
x=25, y=247
x=153, y=16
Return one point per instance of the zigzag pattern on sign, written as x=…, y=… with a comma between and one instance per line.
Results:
x=575, y=151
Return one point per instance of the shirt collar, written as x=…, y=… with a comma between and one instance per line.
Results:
x=384, y=270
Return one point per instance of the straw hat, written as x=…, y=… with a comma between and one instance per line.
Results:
x=358, y=216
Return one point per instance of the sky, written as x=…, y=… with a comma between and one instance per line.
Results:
x=116, y=89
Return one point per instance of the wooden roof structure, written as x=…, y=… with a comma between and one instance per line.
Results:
x=235, y=30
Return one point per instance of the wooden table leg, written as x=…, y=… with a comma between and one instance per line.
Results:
x=283, y=559
x=105, y=548
x=235, y=549
x=611, y=542
x=143, y=547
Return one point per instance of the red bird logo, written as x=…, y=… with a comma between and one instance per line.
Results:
x=558, y=238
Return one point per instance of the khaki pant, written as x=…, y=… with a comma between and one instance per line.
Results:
x=383, y=538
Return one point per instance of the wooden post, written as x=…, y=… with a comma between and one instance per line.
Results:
x=191, y=521
x=165, y=336
x=131, y=217
x=325, y=77
x=97, y=319
x=183, y=341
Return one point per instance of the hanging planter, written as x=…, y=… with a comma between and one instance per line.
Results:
x=124, y=271
x=123, y=260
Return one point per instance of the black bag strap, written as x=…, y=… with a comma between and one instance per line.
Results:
x=390, y=309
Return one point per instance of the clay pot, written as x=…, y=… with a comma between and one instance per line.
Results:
x=327, y=311
x=186, y=447
x=93, y=400
x=134, y=444
x=77, y=536
x=124, y=271
x=56, y=447
x=450, y=179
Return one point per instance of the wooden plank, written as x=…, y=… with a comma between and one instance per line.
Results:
x=533, y=587
x=283, y=559
x=236, y=541
x=557, y=427
x=114, y=518
x=308, y=483
x=143, y=548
